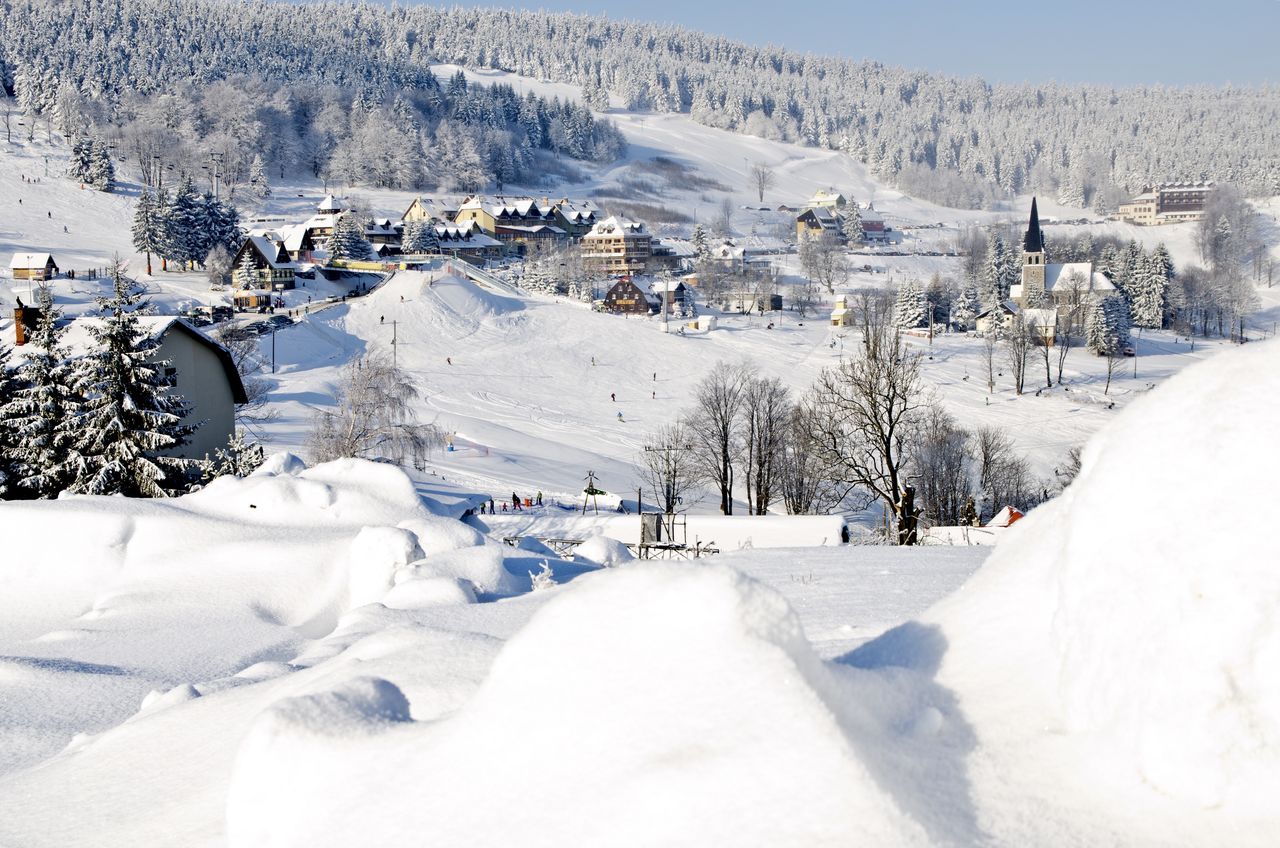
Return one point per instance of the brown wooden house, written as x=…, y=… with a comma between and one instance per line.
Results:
x=625, y=297
x=33, y=266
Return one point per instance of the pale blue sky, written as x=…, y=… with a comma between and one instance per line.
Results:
x=1122, y=42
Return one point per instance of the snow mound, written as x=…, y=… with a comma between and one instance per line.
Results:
x=481, y=567
x=464, y=297
x=1138, y=615
x=603, y=550
x=430, y=592
x=620, y=703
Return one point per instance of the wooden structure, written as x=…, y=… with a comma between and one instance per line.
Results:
x=275, y=270
x=33, y=266
x=625, y=297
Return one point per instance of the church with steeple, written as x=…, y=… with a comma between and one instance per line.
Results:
x=1057, y=285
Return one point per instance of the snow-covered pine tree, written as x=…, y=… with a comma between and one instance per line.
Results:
x=101, y=173
x=45, y=400
x=79, y=164
x=183, y=226
x=701, y=250
x=419, y=237
x=221, y=223
x=149, y=225
x=129, y=417
x=245, y=275
x=239, y=458
x=995, y=274
x=1148, y=294
x=259, y=186
x=9, y=465
x=1071, y=190
x=348, y=241
x=851, y=221
x=964, y=312
x=1107, y=325
x=911, y=308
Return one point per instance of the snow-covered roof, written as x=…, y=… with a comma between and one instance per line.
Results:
x=1006, y=306
x=292, y=236
x=826, y=196
x=1041, y=317
x=822, y=213
x=1061, y=273
x=24, y=261
x=870, y=215
x=269, y=249
x=615, y=226
x=468, y=233
x=532, y=228
x=670, y=285
x=576, y=211
x=329, y=204
x=501, y=206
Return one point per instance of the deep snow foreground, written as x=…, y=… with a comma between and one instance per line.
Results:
x=1108, y=677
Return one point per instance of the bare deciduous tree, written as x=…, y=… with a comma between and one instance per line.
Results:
x=807, y=488
x=822, y=260
x=766, y=410
x=713, y=426
x=245, y=355
x=1004, y=477
x=1017, y=344
x=941, y=464
x=762, y=178
x=865, y=412
x=668, y=469
x=374, y=417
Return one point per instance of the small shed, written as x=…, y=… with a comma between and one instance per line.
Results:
x=33, y=266
x=995, y=318
x=841, y=315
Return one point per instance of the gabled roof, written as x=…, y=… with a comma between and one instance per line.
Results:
x=272, y=252
x=329, y=204
x=25, y=261
x=1056, y=274
x=502, y=206
x=577, y=211
x=1008, y=307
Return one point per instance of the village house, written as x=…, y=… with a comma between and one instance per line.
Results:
x=874, y=228
x=298, y=242
x=1171, y=203
x=817, y=221
x=270, y=260
x=381, y=231
x=996, y=318
x=827, y=198
x=626, y=297
x=203, y=372
x=617, y=246
x=33, y=266
x=321, y=224
x=575, y=217
x=680, y=298
x=841, y=315
x=431, y=209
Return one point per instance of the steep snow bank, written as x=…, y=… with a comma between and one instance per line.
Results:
x=1129, y=632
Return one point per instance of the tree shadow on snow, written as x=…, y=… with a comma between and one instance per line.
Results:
x=921, y=758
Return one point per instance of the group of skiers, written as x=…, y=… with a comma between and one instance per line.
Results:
x=515, y=504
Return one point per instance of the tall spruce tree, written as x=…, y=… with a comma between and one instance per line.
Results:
x=420, y=237
x=911, y=309
x=149, y=225
x=9, y=465
x=130, y=418
x=967, y=306
x=44, y=402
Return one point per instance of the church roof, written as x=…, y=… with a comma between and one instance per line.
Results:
x=1033, y=242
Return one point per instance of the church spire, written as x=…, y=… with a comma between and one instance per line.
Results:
x=1033, y=242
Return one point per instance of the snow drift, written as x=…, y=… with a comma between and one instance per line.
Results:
x=660, y=704
x=1129, y=631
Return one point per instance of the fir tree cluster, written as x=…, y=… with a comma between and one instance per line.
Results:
x=90, y=164
x=184, y=227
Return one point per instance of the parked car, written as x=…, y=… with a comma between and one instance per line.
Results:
x=1128, y=350
x=222, y=313
x=262, y=328
x=280, y=321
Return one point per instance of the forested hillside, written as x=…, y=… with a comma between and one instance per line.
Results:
x=961, y=142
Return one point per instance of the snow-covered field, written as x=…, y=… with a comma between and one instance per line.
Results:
x=320, y=657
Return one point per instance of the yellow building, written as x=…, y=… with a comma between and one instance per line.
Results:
x=617, y=246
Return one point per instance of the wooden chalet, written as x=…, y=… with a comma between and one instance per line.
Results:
x=275, y=269
x=627, y=298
